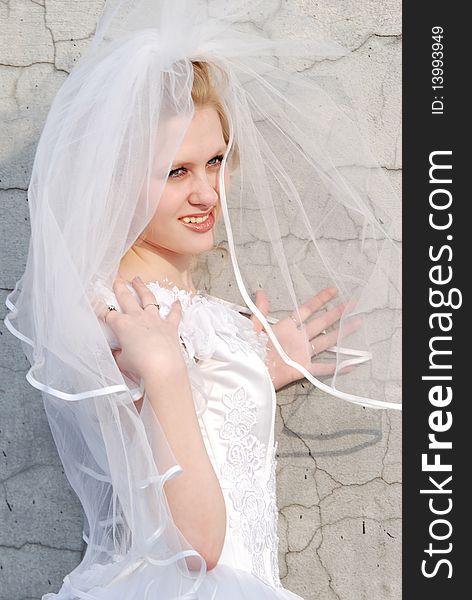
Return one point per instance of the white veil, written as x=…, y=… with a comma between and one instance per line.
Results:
x=306, y=196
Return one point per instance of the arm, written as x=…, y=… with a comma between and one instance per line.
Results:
x=195, y=497
x=149, y=349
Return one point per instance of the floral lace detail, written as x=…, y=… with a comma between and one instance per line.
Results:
x=273, y=515
x=256, y=518
x=204, y=317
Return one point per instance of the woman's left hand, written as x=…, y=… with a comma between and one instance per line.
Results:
x=291, y=337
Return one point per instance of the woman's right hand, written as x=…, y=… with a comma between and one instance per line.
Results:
x=148, y=343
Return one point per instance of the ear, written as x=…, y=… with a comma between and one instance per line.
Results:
x=262, y=303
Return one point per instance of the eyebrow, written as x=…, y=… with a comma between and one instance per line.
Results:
x=183, y=163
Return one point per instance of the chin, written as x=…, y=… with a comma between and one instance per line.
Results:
x=193, y=247
x=203, y=246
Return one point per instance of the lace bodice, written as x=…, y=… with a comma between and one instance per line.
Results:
x=235, y=403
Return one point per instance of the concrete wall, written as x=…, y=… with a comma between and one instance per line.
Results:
x=339, y=489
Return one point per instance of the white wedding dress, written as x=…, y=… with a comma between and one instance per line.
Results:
x=236, y=403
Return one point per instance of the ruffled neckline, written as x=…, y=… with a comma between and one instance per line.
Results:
x=186, y=296
x=199, y=325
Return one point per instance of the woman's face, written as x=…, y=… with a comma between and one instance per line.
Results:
x=191, y=188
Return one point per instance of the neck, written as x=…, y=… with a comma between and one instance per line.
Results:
x=154, y=263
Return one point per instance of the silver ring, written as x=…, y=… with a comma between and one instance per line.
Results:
x=313, y=348
x=323, y=332
x=297, y=323
x=110, y=307
x=151, y=304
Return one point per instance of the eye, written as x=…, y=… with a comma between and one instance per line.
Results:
x=178, y=173
x=175, y=173
x=219, y=158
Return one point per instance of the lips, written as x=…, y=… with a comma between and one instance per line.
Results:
x=197, y=214
x=200, y=227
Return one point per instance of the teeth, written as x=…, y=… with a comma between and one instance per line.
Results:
x=194, y=219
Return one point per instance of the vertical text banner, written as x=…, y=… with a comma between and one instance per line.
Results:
x=437, y=228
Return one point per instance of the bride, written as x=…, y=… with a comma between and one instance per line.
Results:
x=150, y=350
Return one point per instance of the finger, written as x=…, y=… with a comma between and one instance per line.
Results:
x=347, y=369
x=105, y=314
x=323, y=342
x=316, y=326
x=262, y=303
x=324, y=368
x=128, y=303
x=144, y=293
x=309, y=307
x=175, y=313
x=318, y=369
x=101, y=309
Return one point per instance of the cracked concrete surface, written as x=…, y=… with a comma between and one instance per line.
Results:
x=339, y=465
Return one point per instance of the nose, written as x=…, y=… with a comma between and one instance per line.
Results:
x=204, y=192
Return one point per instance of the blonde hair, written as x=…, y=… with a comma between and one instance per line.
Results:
x=206, y=90
x=209, y=82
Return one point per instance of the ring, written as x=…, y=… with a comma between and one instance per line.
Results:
x=313, y=348
x=295, y=320
x=151, y=304
x=323, y=332
x=109, y=309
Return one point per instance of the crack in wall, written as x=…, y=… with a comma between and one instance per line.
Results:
x=39, y=545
